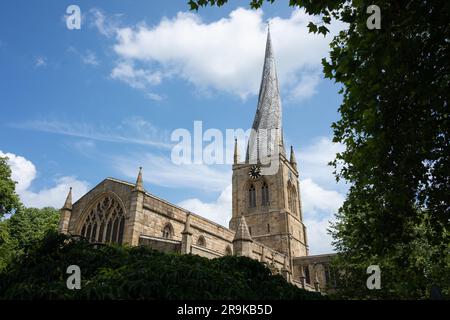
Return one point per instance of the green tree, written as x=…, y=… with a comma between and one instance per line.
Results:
x=24, y=229
x=122, y=272
x=9, y=201
x=7, y=245
x=29, y=225
x=394, y=123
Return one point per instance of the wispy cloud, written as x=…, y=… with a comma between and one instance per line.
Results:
x=40, y=62
x=105, y=25
x=90, y=58
x=160, y=170
x=135, y=77
x=155, y=97
x=131, y=131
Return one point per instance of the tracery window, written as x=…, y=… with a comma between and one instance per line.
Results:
x=265, y=194
x=252, y=196
x=105, y=222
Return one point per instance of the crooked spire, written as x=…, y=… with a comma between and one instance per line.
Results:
x=267, y=128
x=68, y=203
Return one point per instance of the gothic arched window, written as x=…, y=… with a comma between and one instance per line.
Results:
x=201, y=241
x=105, y=222
x=228, y=251
x=292, y=199
x=167, y=231
x=252, y=196
x=265, y=194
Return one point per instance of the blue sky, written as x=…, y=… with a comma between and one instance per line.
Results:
x=81, y=105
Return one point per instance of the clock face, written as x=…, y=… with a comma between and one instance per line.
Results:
x=255, y=172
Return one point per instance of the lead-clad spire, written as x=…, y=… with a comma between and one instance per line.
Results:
x=267, y=126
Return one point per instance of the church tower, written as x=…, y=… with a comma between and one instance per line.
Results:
x=265, y=184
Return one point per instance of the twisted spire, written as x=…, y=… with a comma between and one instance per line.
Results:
x=267, y=126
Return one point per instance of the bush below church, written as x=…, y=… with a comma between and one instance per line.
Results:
x=121, y=272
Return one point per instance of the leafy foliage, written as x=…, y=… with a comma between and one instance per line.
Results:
x=121, y=272
x=394, y=123
x=24, y=229
x=9, y=201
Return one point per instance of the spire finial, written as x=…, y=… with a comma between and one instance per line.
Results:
x=242, y=232
x=139, y=186
x=236, y=153
x=68, y=203
x=292, y=160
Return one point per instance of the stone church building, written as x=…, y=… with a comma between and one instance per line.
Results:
x=267, y=219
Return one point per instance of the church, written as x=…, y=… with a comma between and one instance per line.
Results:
x=267, y=219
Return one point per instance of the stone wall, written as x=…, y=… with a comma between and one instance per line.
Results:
x=160, y=244
x=159, y=213
x=319, y=271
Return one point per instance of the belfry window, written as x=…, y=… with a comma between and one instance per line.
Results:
x=252, y=196
x=105, y=222
x=265, y=194
x=292, y=199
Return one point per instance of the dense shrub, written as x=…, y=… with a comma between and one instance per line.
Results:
x=121, y=272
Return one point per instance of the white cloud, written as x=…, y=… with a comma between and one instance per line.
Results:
x=218, y=211
x=162, y=171
x=321, y=195
x=136, y=78
x=56, y=195
x=24, y=172
x=313, y=162
x=307, y=87
x=316, y=200
x=155, y=97
x=40, y=62
x=318, y=238
x=319, y=207
x=90, y=58
x=106, y=25
x=224, y=55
